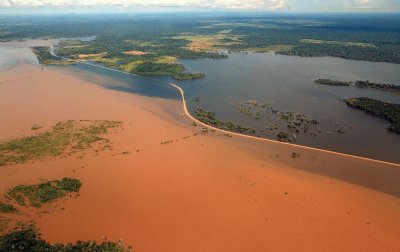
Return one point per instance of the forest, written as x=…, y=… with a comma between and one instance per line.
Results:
x=359, y=37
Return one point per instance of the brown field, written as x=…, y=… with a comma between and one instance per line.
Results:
x=136, y=53
x=197, y=191
x=93, y=55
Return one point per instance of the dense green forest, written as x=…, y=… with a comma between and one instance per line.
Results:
x=361, y=37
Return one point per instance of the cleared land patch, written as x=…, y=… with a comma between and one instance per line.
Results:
x=93, y=55
x=209, y=42
x=135, y=53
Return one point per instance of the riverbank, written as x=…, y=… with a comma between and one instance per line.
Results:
x=167, y=185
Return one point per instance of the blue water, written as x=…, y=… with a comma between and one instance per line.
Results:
x=145, y=86
x=287, y=84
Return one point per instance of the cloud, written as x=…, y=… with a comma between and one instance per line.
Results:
x=224, y=4
x=295, y=5
x=344, y=5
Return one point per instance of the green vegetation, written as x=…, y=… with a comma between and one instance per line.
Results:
x=284, y=137
x=332, y=82
x=44, y=192
x=358, y=37
x=28, y=238
x=64, y=137
x=286, y=124
x=188, y=76
x=385, y=110
x=174, y=70
x=45, y=58
x=6, y=208
x=278, y=48
x=385, y=87
x=360, y=84
x=341, y=43
x=209, y=118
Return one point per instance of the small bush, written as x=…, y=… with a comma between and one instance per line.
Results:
x=28, y=239
x=6, y=208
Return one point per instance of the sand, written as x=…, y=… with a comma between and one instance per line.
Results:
x=204, y=192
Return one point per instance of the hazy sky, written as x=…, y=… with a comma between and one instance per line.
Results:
x=266, y=5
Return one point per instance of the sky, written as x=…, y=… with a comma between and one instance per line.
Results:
x=235, y=5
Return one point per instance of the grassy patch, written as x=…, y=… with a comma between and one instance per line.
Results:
x=27, y=238
x=209, y=42
x=64, y=136
x=166, y=60
x=131, y=66
x=273, y=48
x=44, y=192
x=6, y=208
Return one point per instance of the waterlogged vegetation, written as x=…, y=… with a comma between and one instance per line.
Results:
x=361, y=84
x=36, y=195
x=380, y=86
x=285, y=126
x=28, y=238
x=385, y=110
x=209, y=117
x=65, y=137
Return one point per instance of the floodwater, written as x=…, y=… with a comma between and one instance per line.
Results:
x=286, y=83
x=282, y=83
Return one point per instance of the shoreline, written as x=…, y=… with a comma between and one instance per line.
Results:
x=187, y=113
x=274, y=141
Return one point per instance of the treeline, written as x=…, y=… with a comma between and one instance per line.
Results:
x=360, y=84
x=332, y=82
x=382, y=53
x=374, y=85
x=174, y=70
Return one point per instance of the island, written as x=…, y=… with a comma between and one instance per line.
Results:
x=332, y=82
x=385, y=110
